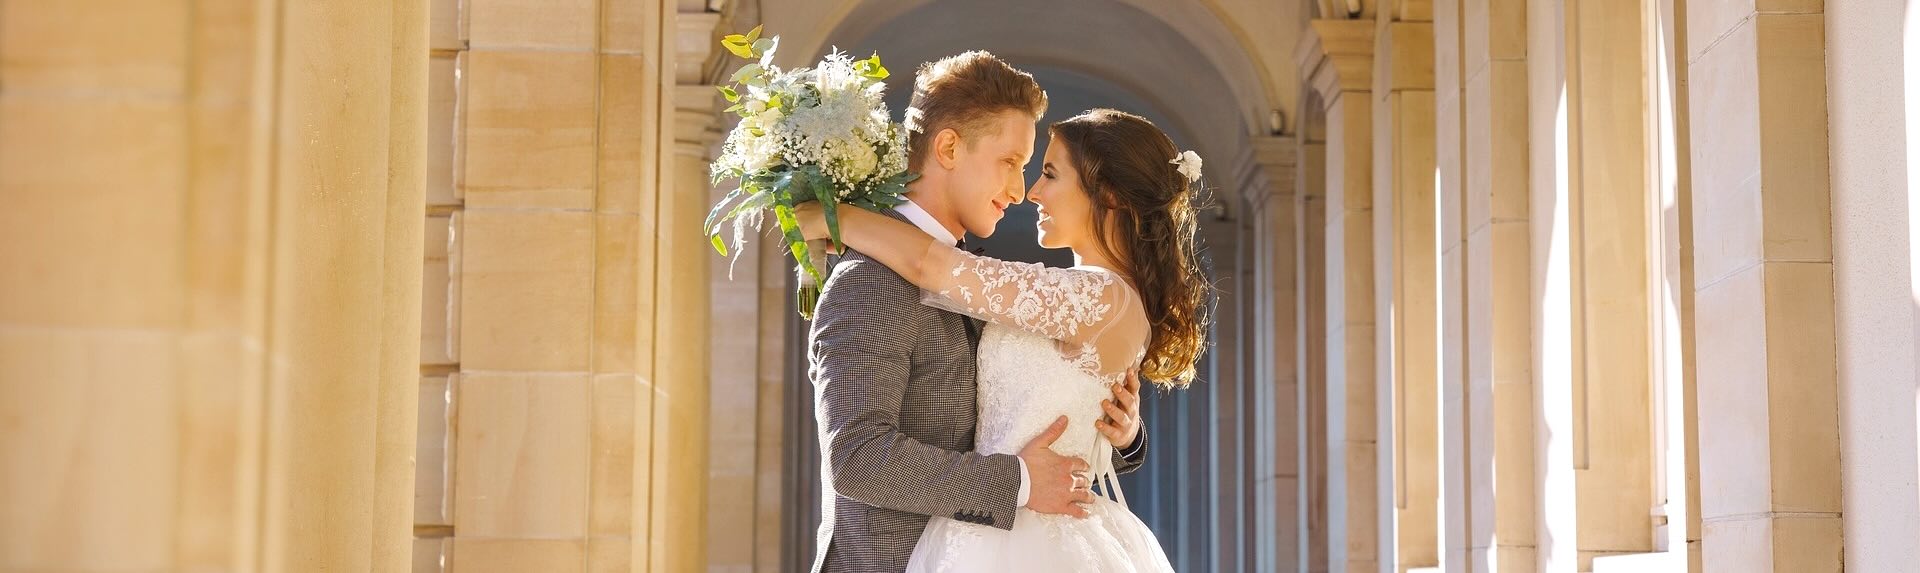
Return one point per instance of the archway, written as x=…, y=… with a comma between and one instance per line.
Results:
x=1176, y=63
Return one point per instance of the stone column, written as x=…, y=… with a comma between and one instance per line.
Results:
x=345, y=279
x=1269, y=181
x=1608, y=202
x=1449, y=144
x=1769, y=442
x=750, y=376
x=635, y=63
x=1488, y=412
x=208, y=322
x=1309, y=224
x=680, y=332
x=737, y=348
x=549, y=208
x=1257, y=363
x=1404, y=263
x=1226, y=427
x=1501, y=396
x=1338, y=57
x=772, y=464
x=1869, y=57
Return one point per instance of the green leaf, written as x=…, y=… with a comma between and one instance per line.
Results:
x=871, y=68
x=733, y=108
x=761, y=46
x=727, y=92
x=775, y=183
x=740, y=46
x=747, y=72
x=825, y=194
x=796, y=242
x=755, y=201
x=718, y=244
x=713, y=217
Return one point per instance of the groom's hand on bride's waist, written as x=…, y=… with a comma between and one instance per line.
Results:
x=1059, y=483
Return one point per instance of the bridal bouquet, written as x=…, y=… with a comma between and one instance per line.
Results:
x=807, y=134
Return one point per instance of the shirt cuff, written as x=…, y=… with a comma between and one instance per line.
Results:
x=1020, y=500
x=1139, y=441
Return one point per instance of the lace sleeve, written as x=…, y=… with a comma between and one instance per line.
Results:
x=1069, y=305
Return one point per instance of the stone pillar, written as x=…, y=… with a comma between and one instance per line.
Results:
x=1338, y=57
x=1869, y=55
x=1268, y=180
x=681, y=331
x=1259, y=378
x=198, y=298
x=1608, y=204
x=1404, y=297
x=635, y=60
x=751, y=310
x=1449, y=144
x=1499, y=315
x=739, y=343
x=1488, y=412
x=772, y=465
x=343, y=498
x=1309, y=224
x=1769, y=442
x=558, y=152
x=1279, y=158
x=1226, y=429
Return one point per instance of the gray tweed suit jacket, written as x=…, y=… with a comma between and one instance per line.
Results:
x=895, y=399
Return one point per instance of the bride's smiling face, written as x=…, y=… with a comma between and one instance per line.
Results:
x=1066, y=210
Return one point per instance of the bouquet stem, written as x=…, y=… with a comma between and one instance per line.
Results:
x=807, y=295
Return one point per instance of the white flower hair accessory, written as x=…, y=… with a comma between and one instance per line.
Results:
x=1189, y=163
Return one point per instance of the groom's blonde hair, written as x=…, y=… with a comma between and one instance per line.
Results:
x=964, y=92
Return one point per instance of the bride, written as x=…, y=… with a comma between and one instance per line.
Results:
x=1115, y=190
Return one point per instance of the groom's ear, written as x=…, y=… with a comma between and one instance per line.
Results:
x=946, y=147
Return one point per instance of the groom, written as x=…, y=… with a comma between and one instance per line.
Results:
x=894, y=379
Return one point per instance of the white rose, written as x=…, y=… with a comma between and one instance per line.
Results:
x=863, y=161
x=759, y=154
x=765, y=122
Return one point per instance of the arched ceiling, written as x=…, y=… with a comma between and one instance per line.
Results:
x=1219, y=66
x=1212, y=72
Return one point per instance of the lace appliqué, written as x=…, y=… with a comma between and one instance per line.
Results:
x=1086, y=359
x=1052, y=304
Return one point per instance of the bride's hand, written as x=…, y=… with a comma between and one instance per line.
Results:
x=813, y=220
x=1121, y=425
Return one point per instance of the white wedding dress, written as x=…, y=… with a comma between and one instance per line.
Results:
x=1056, y=341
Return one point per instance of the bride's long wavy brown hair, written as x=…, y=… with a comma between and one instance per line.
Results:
x=1144, y=214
